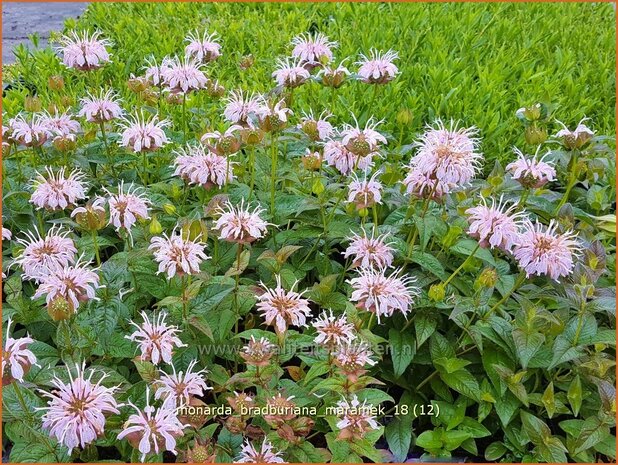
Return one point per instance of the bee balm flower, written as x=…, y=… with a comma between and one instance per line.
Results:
x=313, y=50
x=16, y=357
x=91, y=217
x=177, y=255
x=577, y=138
x=258, y=352
x=30, y=134
x=242, y=109
x=238, y=224
x=543, y=251
x=378, y=67
x=334, y=77
x=530, y=172
x=352, y=358
x=495, y=226
x=156, y=339
x=424, y=185
x=75, y=412
x=249, y=454
x=316, y=128
x=61, y=124
x=57, y=192
x=183, y=75
x=153, y=430
x=204, y=49
x=101, y=109
x=336, y=154
x=281, y=308
x=225, y=143
x=356, y=420
x=126, y=208
x=369, y=252
x=181, y=386
x=362, y=142
x=333, y=331
x=365, y=193
x=197, y=166
x=290, y=74
x=40, y=254
x=6, y=234
x=143, y=135
x=85, y=52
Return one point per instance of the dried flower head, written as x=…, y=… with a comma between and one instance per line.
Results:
x=84, y=52
x=239, y=224
x=204, y=48
x=91, y=217
x=57, y=192
x=177, y=255
x=376, y=292
x=16, y=357
x=75, y=412
x=249, y=454
x=142, y=134
x=378, y=67
x=333, y=331
x=156, y=339
x=544, y=251
x=356, y=419
x=180, y=386
x=313, y=50
x=42, y=253
x=369, y=252
x=530, y=172
x=290, y=73
x=258, y=352
x=281, y=308
x=365, y=193
x=496, y=225
x=101, y=109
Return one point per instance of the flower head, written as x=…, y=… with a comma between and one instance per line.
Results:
x=249, y=454
x=336, y=154
x=376, y=292
x=177, y=255
x=368, y=252
x=181, y=386
x=530, y=172
x=6, y=234
x=290, y=74
x=61, y=124
x=183, y=75
x=153, y=429
x=198, y=166
x=281, y=308
x=378, y=67
x=333, y=331
x=273, y=116
x=225, y=143
x=204, y=48
x=258, y=352
x=356, y=419
x=16, y=357
x=544, y=251
x=242, y=108
x=239, y=224
x=126, y=208
x=362, y=142
x=91, y=217
x=101, y=109
x=74, y=284
x=75, y=412
x=32, y=133
x=84, y=52
x=313, y=50
x=449, y=156
x=143, y=135
x=352, y=358
x=317, y=129
x=156, y=339
x=496, y=225
x=57, y=192
x=282, y=409
x=42, y=253
x=365, y=193
x=577, y=138
x=153, y=72
x=424, y=185
x=334, y=76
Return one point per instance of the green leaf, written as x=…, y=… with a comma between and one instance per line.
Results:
x=593, y=432
x=398, y=434
x=527, y=344
x=575, y=394
x=535, y=428
x=429, y=263
x=463, y=382
x=403, y=348
x=466, y=247
x=494, y=451
x=425, y=325
x=548, y=400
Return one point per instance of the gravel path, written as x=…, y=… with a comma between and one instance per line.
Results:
x=22, y=19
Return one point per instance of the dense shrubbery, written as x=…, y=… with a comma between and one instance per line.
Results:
x=334, y=280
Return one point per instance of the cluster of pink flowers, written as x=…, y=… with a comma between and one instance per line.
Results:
x=42, y=253
x=530, y=172
x=177, y=255
x=180, y=387
x=142, y=134
x=204, y=48
x=197, y=165
x=102, y=108
x=496, y=225
x=125, y=208
x=239, y=224
x=369, y=252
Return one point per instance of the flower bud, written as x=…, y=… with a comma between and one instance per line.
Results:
x=532, y=113
x=60, y=309
x=66, y=101
x=155, y=227
x=310, y=127
x=169, y=208
x=198, y=418
x=246, y=62
x=65, y=143
x=535, y=135
x=404, y=117
x=437, y=292
x=32, y=104
x=252, y=136
x=56, y=82
x=363, y=212
x=488, y=278
x=201, y=452
x=312, y=160
x=333, y=78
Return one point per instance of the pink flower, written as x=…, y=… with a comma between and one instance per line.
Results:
x=156, y=339
x=57, y=192
x=205, y=48
x=352, y=358
x=378, y=68
x=273, y=115
x=577, y=138
x=198, y=166
x=258, y=352
x=85, y=52
x=333, y=331
x=316, y=128
x=153, y=72
x=153, y=430
x=76, y=411
x=249, y=454
x=61, y=124
x=530, y=172
x=74, y=283
x=40, y=254
x=183, y=75
x=542, y=250
x=92, y=217
x=6, y=234
x=448, y=155
x=242, y=109
x=424, y=185
x=290, y=74
x=143, y=135
x=313, y=50
x=126, y=208
x=376, y=292
x=334, y=76
x=370, y=252
x=336, y=154
x=30, y=134
x=365, y=193
x=225, y=143
x=362, y=142
x=16, y=357
x=356, y=419
x=177, y=255
x=178, y=387
x=101, y=109
x=281, y=308
x=495, y=226
x=238, y=224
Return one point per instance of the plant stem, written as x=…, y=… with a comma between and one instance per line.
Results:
x=184, y=116
x=252, y=168
x=465, y=262
x=110, y=160
x=95, y=245
x=375, y=219
x=522, y=200
x=22, y=402
x=571, y=183
x=518, y=282
x=184, y=297
x=273, y=173
x=237, y=279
